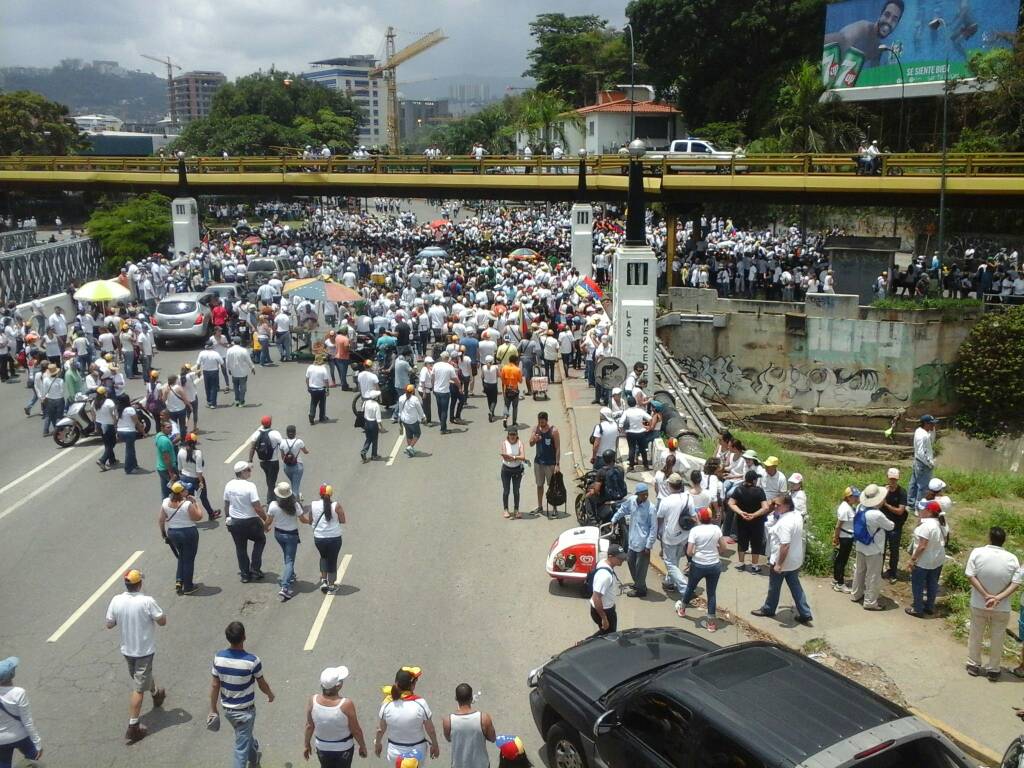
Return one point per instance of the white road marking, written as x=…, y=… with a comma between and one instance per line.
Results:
x=31, y=472
x=94, y=597
x=318, y=622
x=397, y=448
x=91, y=456
x=230, y=459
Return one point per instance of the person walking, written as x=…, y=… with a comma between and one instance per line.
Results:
x=868, y=543
x=605, y=588
x=332, y=724
x=924, y=460
x=236, y=674
x=106, y=421
x=318, y=381
x=17, y=728
x=927, y=556
x=785, y=558
x=179, y=514
x=239, y=365
x=643, y=532
x=445, y=377
x=372, y=419
x=129, y=429
x=410, y=412
x=468, y=730
x=405, y=719
x=705, y=547
x=893, y=507
x=489, y=377
x=52, y=397
x=995, y=575
x=245, y=522
x=634, y=423
x=137, y=615
x=284, y=514
x=209, y=362
x=425, y=386
x=166, y=458
x=342, y=356
x=192, y=472
x=327, y=518
x=292, y=448
x=265, y=444
x=676, y=517
x=513, y=457
x=176, y=402
x=546, y=439
x=511, y=382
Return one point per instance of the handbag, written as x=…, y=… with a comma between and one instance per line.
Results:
x=360, y=422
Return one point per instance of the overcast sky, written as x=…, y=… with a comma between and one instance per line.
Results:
x=486, y=37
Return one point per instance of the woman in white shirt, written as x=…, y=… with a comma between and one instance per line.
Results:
x=292, y=448
x=928, y=555
x=513, y=456
x=327, y=517
x=406, y=719
x=128, y=430
x=106, y=422
x=191, y=469
x=332, y=725
x=284, y=513
x=179, y=514
x=177, y=403
x=189, y=381
x=489, y=377
x=842, y=538
x=372, y=418
x=661, y=486
x=705, y=546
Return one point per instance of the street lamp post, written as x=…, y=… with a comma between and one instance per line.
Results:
x=900, y=142
x=936, y=24
x=632, y=83
x=636, y=225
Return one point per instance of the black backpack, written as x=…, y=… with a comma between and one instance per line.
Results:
x=588, y=584
x=556, y=494
x=264, y=445
x=614, y=485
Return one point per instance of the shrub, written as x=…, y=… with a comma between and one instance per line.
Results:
x=987, y=377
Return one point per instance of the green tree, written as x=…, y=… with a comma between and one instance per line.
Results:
x=493, y=126
x=31, y=124
x=723, y=134
x=132, y=229
x=987, y=377
x=809, y=124
x=336, y=131
x=576, y=55
x=1000, y=101
x=544, y=116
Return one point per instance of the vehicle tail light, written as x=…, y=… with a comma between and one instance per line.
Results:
x=152, y=320
x=199, y=319
x=874, y=750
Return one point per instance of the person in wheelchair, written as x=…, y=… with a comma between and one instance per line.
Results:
x=608, y=488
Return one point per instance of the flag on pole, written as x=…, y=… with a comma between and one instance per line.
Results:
x=590, y=285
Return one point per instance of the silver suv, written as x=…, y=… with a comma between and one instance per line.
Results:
x=182, y=317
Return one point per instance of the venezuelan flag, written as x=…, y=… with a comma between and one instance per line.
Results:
x=591, y=286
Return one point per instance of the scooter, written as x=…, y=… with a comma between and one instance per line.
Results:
x=576, y=552
x=78, y=422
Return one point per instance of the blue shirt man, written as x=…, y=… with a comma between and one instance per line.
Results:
x=643, y=530
x=472, y=348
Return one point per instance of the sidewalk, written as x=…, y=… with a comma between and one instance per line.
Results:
x=920, y=657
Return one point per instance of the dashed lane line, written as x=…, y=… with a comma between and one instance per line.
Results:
x=94, y=597
x=325, y=607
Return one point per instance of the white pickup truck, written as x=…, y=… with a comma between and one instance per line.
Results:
x=704, y=152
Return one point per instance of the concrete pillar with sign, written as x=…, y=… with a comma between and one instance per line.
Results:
x=583, y=238
x=185, y=220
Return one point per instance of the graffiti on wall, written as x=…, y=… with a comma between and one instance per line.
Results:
x=810, y=386
x=933, y=383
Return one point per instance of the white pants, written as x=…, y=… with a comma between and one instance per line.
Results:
x=867, y=578
x=995, y=622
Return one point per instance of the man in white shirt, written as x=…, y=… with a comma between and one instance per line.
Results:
x=239, y=364
x=245, y=519
x=137, y=615
x=410, y=411
x=773, y=481
x=283, y=332
x=604, y=437
x=867, y=570
x=318, y=379
x=606, y=583
x=209, y=362
x=924, y=460
x=445, y=377
x=786, y=558
x=367, y=380
x=994, y=574
x=17, y=728
x=265, y=445
x=672, y=511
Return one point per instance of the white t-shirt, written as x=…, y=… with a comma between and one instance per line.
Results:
x=704, y=539
x=275, y=440
x=934, y=555
x=322, y=527
x=241, y=496
x=405, y=718
x=318, y=377
x=126, y=422
x=177, y=518
x=995, y=568
x=106, y=414
x=444, y=375
x=877, y=524
x=489, y=374
x=788, y=529
x=368, y=382
x=607, y=434
x=136, y=614
x=193, y=468
x=292, y=446
x=282, y=520
x=372, y=411
x=669, y=510
x=844, y=514
x=604, y=584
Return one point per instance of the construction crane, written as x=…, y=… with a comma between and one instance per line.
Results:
x=389, y=71
x=171, y=66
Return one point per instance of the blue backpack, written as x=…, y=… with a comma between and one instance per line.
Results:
x=860, y=527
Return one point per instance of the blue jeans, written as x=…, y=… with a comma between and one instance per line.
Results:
x=294, y=474
x=129, y=362
x=342, y=367
x=920, y=476
x=211, y=382
x=924, y=584
x=792, y=579
x=443, y=403
x=109, y=434
x=53, y=411
x=289, y=543
x=246, y=744
x=165, y=483
x=284, y=343
x=670, y=554
x=130, y=462
x=711, y=573
x=240, y=383
x=372, y=432
x=186, y=540
x=264, y=351
x=25, y=746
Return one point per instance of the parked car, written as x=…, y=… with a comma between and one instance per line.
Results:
x=704, y=152
x=182, y=317
x=258, y=271
x=666, y=698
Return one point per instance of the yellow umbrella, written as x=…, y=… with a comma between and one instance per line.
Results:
x=102, y=290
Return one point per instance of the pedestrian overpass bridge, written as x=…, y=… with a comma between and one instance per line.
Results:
x=970, y=180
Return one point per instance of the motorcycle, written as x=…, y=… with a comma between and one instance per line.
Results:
x=80, y=420
x=588, y=513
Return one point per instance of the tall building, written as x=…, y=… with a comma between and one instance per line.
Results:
x=415, y=113
x=351, y=75
x=192, y=94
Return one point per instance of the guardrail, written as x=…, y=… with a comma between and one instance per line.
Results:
x=909, y=164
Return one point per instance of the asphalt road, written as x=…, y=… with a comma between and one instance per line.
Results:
x=437, y=578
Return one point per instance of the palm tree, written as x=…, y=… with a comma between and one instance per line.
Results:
x=809, y=123
x=544, y=116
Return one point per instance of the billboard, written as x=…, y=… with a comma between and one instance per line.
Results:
x=854, y=30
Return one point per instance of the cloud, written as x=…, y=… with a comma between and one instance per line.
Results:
x=486, y=37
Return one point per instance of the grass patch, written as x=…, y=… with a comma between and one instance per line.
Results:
x=815, y=645
x=925, y=303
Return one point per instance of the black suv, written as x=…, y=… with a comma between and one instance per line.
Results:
x=666, y=698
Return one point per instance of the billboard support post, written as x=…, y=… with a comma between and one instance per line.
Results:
x=900, y=142
x=937, y=24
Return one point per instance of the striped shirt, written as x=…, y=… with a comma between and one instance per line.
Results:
x=237, y=672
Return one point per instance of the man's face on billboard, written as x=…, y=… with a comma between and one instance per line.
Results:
x=890, y=17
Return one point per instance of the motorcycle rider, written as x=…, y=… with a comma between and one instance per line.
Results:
x=609, y=486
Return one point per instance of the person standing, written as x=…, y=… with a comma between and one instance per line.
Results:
x=239, y=365
x=634, y=423
x=17, y=728
x=994, y=574
x=705, y=547
x=166, y=458
x=265, y=444
x=924, y=460
x=372, y=419
x=513, y=456
x=895, y=508
x=318, y=380
x=245, y=520
x=342, y=356
x=676, y=517
x=410, y=412
x=927, y=556
x=137, y=615
x=546, y=439
x=511, y=381
x=468, y=730
x=405, y=719
x=176, y=401
x=489, y=376
x=425, y=386
x=179, y=514
x=643, y=531
x=235, y=675
x=606, y=584
x=750, y=506
x=285, y=513
x=129, y=427
x=867, y=569
x=842, y=537
x=52, y=397
x=327, y=518
x=291, y=449
x=209, y=362
x=332, y=724
x=283, y=332
x=106, y=420
x=786, y=558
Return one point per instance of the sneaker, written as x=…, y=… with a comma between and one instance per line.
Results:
x=178, y=588
x=323, y=586
x=135, y=733
x=158, y=697
x=974, y=670
x=244, y=578
x=711, y=625
x=741, y=566
x=837, y=587
x=191, y=590
x=994, y=675
x=755, y=569
x=332, y=589
x=680, y=609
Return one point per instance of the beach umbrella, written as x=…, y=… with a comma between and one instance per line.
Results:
x=102, y=290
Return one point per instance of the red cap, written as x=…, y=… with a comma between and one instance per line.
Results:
x=265, y=421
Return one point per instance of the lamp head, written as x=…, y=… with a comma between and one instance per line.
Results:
x=636, y=149
x=885, y=49
x=180, y=154
x=937, y=23
x=581, y=153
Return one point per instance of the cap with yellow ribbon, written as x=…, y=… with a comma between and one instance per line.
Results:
x=510, y=747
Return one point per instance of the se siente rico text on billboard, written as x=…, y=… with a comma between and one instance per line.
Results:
x=855, y=29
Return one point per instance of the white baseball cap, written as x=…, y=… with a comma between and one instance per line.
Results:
x=241, y=466
x=893, y=473
x=332, y=677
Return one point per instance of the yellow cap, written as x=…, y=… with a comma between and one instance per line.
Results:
x=133, y=576
x=177, y=487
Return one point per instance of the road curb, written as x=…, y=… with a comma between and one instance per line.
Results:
x=574, y=432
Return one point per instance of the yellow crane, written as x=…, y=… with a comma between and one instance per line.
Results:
x=389, y=71
x=171, y=66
